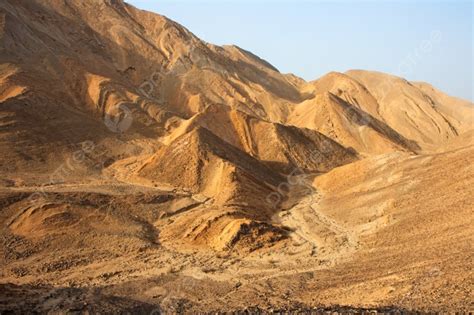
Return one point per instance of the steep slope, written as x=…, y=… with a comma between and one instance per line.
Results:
x=456, y=108
x=348, y=125
x=145, y=170
x=103, y=60
x=111, y=68
x=238, y=184
x=202, y=162
x=283, y=148
x=346, y=88
x=412, y=112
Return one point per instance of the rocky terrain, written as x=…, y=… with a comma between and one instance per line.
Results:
x=144, y=170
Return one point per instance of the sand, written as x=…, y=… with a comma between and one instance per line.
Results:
x=144, y=170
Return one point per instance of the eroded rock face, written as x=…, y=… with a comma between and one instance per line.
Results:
x=144, y=170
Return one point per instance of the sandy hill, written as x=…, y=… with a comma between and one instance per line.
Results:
x=281, y=147
x=415, y=110
x=349, y=125
x=90, y=61
x=237, y=184
x=202, y=162
x=145, y=170
x=346, y=88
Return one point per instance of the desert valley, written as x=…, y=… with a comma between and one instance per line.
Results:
x=146, y=171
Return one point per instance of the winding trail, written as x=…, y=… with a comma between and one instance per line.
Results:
x=315, y=230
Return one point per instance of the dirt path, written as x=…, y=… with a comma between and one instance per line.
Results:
x=315, y=231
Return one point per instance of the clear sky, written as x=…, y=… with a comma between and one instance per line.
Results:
x=429, y=41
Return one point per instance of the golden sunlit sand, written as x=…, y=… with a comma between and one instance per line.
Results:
x=144, y=171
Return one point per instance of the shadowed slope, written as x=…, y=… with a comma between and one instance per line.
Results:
x=412, y=112
x=143, y=164
x=202, y=162
x=348, y=125
x=281, y=147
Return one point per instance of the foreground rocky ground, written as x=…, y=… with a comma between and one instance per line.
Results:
x=369, y=236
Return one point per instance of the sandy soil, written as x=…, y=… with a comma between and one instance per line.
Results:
x=143, y=170
x=347, y=244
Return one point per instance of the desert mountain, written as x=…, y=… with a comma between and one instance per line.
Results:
x=349, y=125
x=416, y=110
x=95, y=59
x=282, y=147
x=202, y=162
x=143, y=169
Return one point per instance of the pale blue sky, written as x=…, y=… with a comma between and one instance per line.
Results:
x=419, y=40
